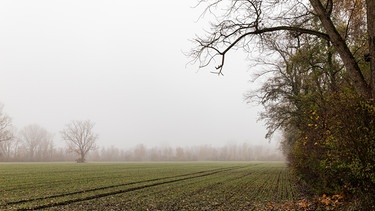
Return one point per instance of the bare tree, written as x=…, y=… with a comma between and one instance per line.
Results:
x=321, y=56
x=5, y=126
x=8, y=149
x=80, y=138
x=246, y=24
x=37, y=142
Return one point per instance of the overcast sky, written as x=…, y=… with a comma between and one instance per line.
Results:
x=121, y=65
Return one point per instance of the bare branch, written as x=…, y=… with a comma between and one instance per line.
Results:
x=80, y=138
x=5, y=126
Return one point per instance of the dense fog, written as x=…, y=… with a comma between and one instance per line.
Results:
x=47, y=152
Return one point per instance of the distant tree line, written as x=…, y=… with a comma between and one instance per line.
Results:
x=229, y=152
x=34, y=143
x=44, y=150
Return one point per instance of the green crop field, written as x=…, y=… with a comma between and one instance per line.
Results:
x=144, y=186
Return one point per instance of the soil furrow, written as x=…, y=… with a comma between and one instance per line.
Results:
x=66, y=202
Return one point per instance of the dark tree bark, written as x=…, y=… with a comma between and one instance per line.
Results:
x=235, y=30
x=371, y=35
x=342, y=48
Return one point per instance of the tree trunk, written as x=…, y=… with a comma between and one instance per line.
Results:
x=82, y=157
x=338, y=42
x=371, y=33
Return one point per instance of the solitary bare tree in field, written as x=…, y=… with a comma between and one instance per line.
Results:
x=80, y=138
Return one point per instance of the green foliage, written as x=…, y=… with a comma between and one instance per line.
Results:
x=321, y=94
x=355, y=144
x=145, y=186
x=328, y=128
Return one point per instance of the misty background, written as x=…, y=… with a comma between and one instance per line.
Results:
x=121, y=64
